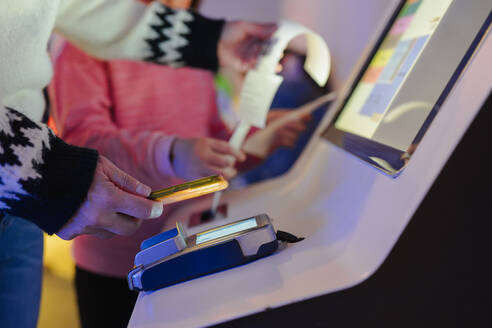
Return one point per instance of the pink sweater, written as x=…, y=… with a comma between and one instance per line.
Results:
x=127, y=110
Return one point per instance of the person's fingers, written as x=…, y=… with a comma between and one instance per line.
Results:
x=135, y=206
x=279, y=113
x=286, y=139
x=219, y=160
x=125, y=181
x=98, y=232
x=285, y=142
x=246, y=52
x=275, y=114
x=252, y=53
x=250, y=48
x=69, y=234
x=259, y=30
x=122, y=224
x=241, y=42
x=306, y=117
x=224, y=147
x=295, y=126
x=289, y=134
x=227, y=172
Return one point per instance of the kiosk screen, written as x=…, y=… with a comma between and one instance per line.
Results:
x=391, y=65
x=422, y=52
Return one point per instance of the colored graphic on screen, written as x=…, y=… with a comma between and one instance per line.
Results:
x=390, y=66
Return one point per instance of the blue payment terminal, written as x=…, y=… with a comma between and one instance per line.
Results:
x=173, y=257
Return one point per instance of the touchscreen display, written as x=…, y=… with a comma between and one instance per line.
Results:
x=227, y=230
x=390, y=66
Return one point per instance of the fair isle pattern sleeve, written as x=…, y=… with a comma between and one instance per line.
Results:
x=183, y=38
x=42, y=179
x=128, y=29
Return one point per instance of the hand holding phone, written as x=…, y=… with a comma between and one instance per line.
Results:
x=190, y=189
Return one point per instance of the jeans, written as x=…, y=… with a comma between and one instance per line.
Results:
x=21, y=261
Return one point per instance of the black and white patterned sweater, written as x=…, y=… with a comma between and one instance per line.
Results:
x=43, y=179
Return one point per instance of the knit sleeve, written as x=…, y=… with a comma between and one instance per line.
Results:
x=42, y=179
x=127, y=29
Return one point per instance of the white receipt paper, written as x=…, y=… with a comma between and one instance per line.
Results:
x=261, y=84
x=257, y=94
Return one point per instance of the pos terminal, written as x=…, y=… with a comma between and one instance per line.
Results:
x=173, y=256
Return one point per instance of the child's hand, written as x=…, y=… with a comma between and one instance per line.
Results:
x=288, y=134
x=201, y=157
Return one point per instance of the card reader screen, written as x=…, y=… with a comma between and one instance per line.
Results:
x=227, y=230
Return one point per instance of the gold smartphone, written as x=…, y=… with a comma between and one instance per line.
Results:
x=190, y=189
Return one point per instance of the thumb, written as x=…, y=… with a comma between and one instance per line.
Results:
x=263, y=31
x=123, y=180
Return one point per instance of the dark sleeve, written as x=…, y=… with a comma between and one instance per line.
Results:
x=42, y=179
x=184, y=38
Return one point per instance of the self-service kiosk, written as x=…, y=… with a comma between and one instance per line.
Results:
x=384, y=194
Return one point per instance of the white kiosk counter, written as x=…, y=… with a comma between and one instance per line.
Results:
x=356, y=186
